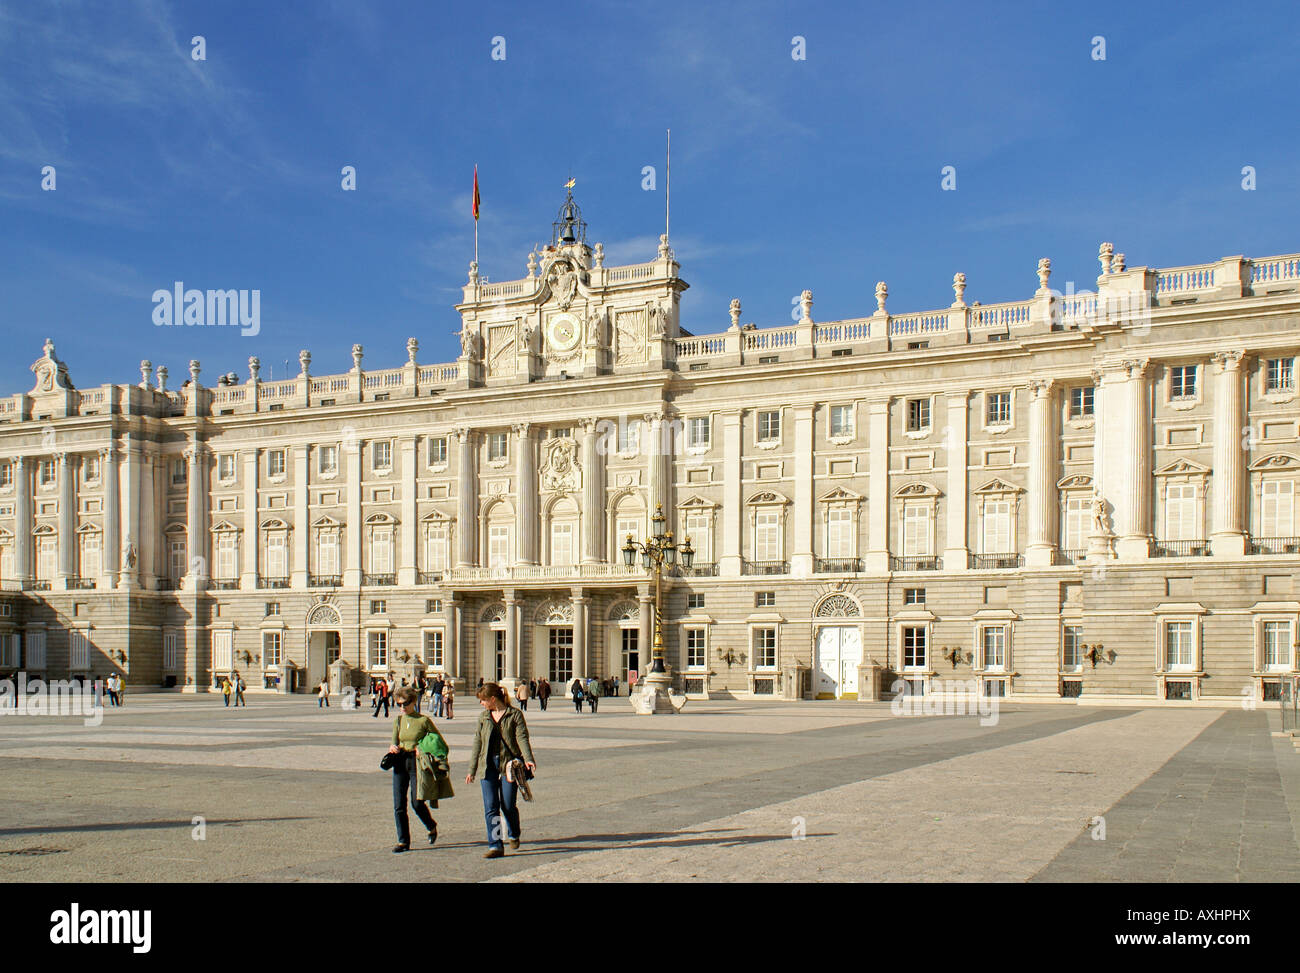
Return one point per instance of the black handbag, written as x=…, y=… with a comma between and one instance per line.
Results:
x=389, y=760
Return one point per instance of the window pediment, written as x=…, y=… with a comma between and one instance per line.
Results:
x=272, y=524
x=174, y=529
x=436, y=517
x=1276, y=462
x=841, y=495
x=997, y=486
x=326, y=521
x=224, y=527
x=1182, y=467
x=917, y=490
x=1077, y=481
x=89, y=529
x=768, y=497
x=697, y=503
x=380, y=519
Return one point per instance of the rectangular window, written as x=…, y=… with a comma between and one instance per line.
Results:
x=839, y=532
x=1280, y=375
x=841, y=421
x=913, y=596
x=1278, y=514
x=327, y=553
x=80, y=651
x=562, y=544
x=270, y=649
x=6, y=561
x=498, y=446
x=6, y=475
x=47, y=554
x=169, y=650
x=177, y=564
x=438, y=451
x=997, y=527
x=226, y=466
x=378, y=606
x=92, y=563
x=697, y=529
x=275, y=462
x=698, y=432
x=695, y=655
x=227, y=555
x=1182, y=382
x=435, y=553
x=626, y=526
x=35, y=650
x=272, y=609
x=222, y=650
x=47, y=472
x=913, y=646
x=379, y=650
x=91, y=469
x=916, y=530
x=1180, y=513
x=1072, y=648
x=1277, y=645
x=995, y=647
x=694, y=600
x=769, y=426
x=8, y=650
x=178, y=471
x=764, y=599
x=918, y=415
x=382, y=455
x=629, y=436
x=381, y=551
x=327, y=460
x=433, y=649
x=765, y=648
x=560, y=645
x=1081, y=401
x=562, y=432
x=998, y=408
x=767, y=536
x=433, y=606
x=1179, y=652
x=275, y=555
x=1078, y=521
x=498, y=545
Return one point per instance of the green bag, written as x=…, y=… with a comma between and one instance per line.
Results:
x=434, y=745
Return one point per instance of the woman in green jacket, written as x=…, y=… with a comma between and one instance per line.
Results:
x=408, y=729
x=502, y=736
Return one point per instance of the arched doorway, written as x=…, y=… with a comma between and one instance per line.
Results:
x=837, y=651
x=492, y=658
x=324, y=641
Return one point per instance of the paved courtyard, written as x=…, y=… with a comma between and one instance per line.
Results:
x=726, y=791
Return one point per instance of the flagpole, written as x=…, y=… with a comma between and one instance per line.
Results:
x=668, y=181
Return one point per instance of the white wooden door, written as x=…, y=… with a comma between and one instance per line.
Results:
x=850, y=659
x=839, y=652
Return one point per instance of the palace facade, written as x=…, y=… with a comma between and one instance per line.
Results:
x=1079, y=495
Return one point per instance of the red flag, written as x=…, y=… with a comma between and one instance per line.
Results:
x=476, y=193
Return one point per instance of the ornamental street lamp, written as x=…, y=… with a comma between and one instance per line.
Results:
x=657, y=551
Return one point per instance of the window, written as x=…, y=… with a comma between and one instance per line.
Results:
x=327, y=552
x=35, y=650
x=498, y=545
x=226, y=466
x=1181, y=513
x=1072, y=648
x=80, y=652
x=47, y=472
x=378, y=606
x=626, y=526
x=1179, y=652
x=435, y=548
x=994, y=647
x=1277, y=645
x=6, y=475
x=169, y=650
x=767, y=536
x=227, y=555
x=997, y=408
x=913, y=646
x=275, y=462
x=381, y=456
x=47, y=550
x=913, y=596
x=1081, y=401
x=8, y=650
x=498, y=446
x=276, y=566
x=562, y=544
x=327, y=460
x=698, y=432
x=379, y=650
x=178, y=471
x=270, y=649
x=918, y=415
x=997, y=527
x=1078, y=521
x=381, y=550
x=839, y=532
x=764, y=599
x=841, y=421
x=272, y=609
x=695, y=654
x=769, y=426
x=561, y=655
x=1182, y=382
x=916, y=529
x=433, y=606
x=90, y=468
x=765, y=648
x=438, y=451
x=1279, y=375
x=562, y=432
x=694, y=600
x=433, y=649
x=92, y=562
x=697, y=529
x=177, y=563
x=1277, y=516
x=222, y=650
x=629, y=436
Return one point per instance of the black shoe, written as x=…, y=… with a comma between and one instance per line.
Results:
x=398, y=849
x=433, y=833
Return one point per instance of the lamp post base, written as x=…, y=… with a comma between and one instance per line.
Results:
x=654, y=695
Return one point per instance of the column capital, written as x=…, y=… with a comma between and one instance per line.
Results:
x=1136, y=367
x=522, y=429
x=1228, y=361
x=588, y=424
x=62, y=458
x=109, y=453
x=463, y=435
x=19, y=462
x=1042, y=387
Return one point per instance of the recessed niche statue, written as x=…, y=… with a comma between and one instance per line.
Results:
x=1099, y=513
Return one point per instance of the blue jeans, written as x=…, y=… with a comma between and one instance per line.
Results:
x=437, y=704
x=403, y=780
x=499, y=797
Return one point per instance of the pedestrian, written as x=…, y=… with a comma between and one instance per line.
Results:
x=578, y=694
x=237, y=685
x=408, y=729
x=435, y=695
x=381, y=698
x=121, y=689
x=449, y=697
x=324, y=694
x=500, y=746
x=543, y=692
x=480, y=684
x=532, y=688
x=226, y=688
x=521, y=694
x=615, y=687
x=593, y=693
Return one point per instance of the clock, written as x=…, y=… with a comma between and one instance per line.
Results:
x=562, y=332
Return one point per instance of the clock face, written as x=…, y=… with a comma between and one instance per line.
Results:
x=563, y=332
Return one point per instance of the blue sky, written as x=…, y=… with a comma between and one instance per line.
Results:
x=822, y=173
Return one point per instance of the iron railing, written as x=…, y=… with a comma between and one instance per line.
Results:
x=1199, y=548
x=996, y=561
x=837, y=565
x=1273, y=545
x=913, y=563
x=765, y=567
x=379, y=579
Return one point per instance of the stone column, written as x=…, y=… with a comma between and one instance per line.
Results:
x=512, y=637
x=581, y=664
x=132, y=471
x=733, y=496
x=111, y=551
x=1127, y=464
x=526, y=526
x=67, y=521
x=801, y=553
x=198, y=567
x=658, y=449
x=353, y=530
x=154, y=475
x=301, y=515
x=646, y=632
x=956, y=555
x=455, y=655
x=248, y=554
x=877, y=560
x=406, y=567
x=1228, y=535
x=593, y=496
x=466, y=499
x=22, y=519
x=1044, y=438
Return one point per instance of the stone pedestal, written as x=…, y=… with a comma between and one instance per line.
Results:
x=869, y=682
x=653, y=694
